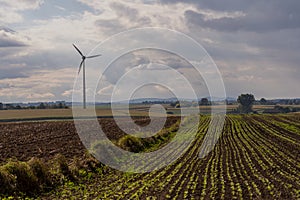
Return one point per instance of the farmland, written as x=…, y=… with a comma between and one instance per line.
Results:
x=105, y=111
x=256, y=157
x=24, y=140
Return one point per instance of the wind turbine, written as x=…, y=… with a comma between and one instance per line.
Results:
x=82, y=65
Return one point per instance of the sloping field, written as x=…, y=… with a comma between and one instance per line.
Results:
x=257, y=157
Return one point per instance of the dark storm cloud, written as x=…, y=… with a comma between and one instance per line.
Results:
x=6, y=42
x=8, y=38
x=270, y=15
x=252, y=21
x=258, y=47
x=6, y=29
x=10, y=66
x=256, y=22
x=16, y=63
x=242, y=5
x=9, y=73
x=223, y=24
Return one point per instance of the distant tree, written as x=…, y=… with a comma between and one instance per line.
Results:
x=204, y=102
x=263, y=101
x=42, y=106
x=283, y=109
x=18, y=107
x=292, y=102
x=174, y=103
x=245, y=103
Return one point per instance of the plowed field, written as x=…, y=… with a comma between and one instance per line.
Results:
x=45, y=139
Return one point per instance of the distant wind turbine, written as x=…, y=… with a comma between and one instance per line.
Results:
x=82, y=65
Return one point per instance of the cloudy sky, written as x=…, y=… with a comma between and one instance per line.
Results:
x=255, y=44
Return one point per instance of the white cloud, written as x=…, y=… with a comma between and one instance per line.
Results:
x=43, y=96
x=108, y=90
x=41, y=85
x=8, y=16
x=60, y=8
x=135, y=13
x=22, y=5
x=58, y=32
x=9, y=10
x=67, y=93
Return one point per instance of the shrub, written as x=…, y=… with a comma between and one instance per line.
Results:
x=61, y=165
x=131, y=143
x=7, y=181
x=24, y=179
x=41, y=171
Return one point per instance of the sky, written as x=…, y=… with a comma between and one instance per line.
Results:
x=255, y=45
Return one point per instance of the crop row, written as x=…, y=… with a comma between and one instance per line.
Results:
x=256, y=157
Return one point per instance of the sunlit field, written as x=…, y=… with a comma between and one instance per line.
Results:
x=105, y=111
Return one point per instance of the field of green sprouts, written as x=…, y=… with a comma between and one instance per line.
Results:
x=257, y=157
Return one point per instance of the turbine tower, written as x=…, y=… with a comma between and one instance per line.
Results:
x=82, y=65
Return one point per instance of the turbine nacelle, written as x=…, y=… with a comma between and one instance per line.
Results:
x=83, y=57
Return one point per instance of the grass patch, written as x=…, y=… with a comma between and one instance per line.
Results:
x=18, y=177
x=135, y=144
x=29, y=179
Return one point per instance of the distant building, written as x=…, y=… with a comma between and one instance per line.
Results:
x=1, y=106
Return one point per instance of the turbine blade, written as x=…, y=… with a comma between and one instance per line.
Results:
x=77, y=50
x=94, y=56
x=80, y=66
